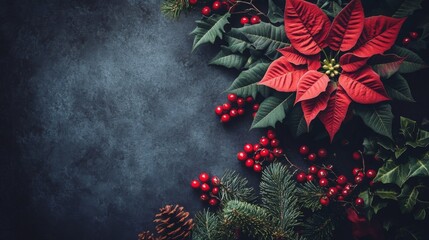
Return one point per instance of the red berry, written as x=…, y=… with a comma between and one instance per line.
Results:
x=271, y=135
x=225, y=118
x=204, y=177
x=226, y=5
x=323, y=182
x=311, y=157
x=275, y=143
x=264, y=141
x=249, y=162
x=359, y=201
x=249, y=99
x=195, y=183
x=341, y=180
x=213, y=202
x=406, y=41
x=345, y=192
x=324, y=201
x=322, y=153
x=206, y=11
x=356, y=156
x=216, y=5
x=233, y=112
x=304, y=150
x=340, y=198
x=215, y=181
x=232, y=97
x=361, y=174
x=371, y=183
x=332, y=191
x=256, y=147
x=241, y=156
x=255, y=107
x=355, y=171
x=240, y=111
x=193, y=2
x=339, y=187
x=322, y=173
x=269, y=131
x=358, y=179
x=255, y=20
x=371, y=173
x=271, y=157
x=219, y=110
x=377, y=158
x=278, y=152
x=313, y=169
x=348, y=187
x=204, y=197
x=264, y=152
x=310, y=177
x=254, y=115
x=244, y=20
x=205, y=187
x=257, y=157
x=414, y=35
x=240, y=102
x=330, y=166
x=215, y=190
x=257, y=167
x=301, y=177
x=226, y=106
x=248, y=148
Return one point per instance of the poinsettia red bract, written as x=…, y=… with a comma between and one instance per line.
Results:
x=326, y=88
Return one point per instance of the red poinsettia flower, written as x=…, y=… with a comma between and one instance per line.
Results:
x=327, y=83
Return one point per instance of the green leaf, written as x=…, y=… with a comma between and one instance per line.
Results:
x=236, y=41
x=408, y=128
x=229, y=60
x=265, y=37
x=420, y=214
x=399, y=152
x=246, y=83
x=272, y=110
x=408, y=198
x=370, y=146
x=386, y=143
x=397, y=88
x=378, y=117
x=275, y=13
x=209, y=29
x=422, y=139
x=377, y=206
x=296, y=122
x=411, y=233
x=412, y=61
x=385, y=192
x=407, y=8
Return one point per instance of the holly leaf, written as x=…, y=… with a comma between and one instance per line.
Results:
x=347, y=27
x=364, y=86
x=369, y=146
x=385, y=192
x=408, y=128
x=307, y=27
x=265, y=37
x=422, y=139
x=209, y=29
x=310, y=85
x=408, y=198
x=412, y=61
x=378, y=35
x=312, y=107
x=272, y=110
x=246, y=83
x=275, y=13
x=407, y=8
x=420, y=214
x=333, y=116
x=226, y=58
x=296, y=122
x=397, y=88
x=385, y=65
x=236, y=41
x=378, y=117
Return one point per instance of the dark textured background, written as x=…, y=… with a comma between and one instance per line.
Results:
x=105, y=116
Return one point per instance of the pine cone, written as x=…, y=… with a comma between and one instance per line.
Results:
x=147, y=236
x=173, y=223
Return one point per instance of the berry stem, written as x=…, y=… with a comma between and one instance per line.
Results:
x=363, y=161
x=291, y=164
x=253, y=8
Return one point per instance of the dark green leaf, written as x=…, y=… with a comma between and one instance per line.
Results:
x=407, y=8
x=246, y=83
x=399, y=152
x=236, y=41
x=385, y=192
x=408, y=128
x=209, y=29
x=411, y=233
x=378, y=117
x=370, y=146
x=412, y=61
x=408, y=198
x=272, y=110
x=296, y=122
x=275, y=13
x=398, y=89
x=420, y=214
x=422, y=139
x=229, y=60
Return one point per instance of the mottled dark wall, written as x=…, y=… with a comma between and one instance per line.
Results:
x=106, y=116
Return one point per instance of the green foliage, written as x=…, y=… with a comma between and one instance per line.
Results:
x=407, y=7
x=330, y=7
x=309, y=195
x=296, y=122
x=398, y=89
x=246, y=84
x=318, y=227
x=272, y=110
x=378, y=117
x=412, y=61
x=209, y=29
x=275, y=13
x=235, y=187
x=207, y=226
x=173, y=8
x=228, y=59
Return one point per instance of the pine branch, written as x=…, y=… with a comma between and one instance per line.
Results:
x=173, y=8
x=207, y=226
x=278, y=192
x=309, y=195
x=318, y=226
x=249, y=218
x=235, y=187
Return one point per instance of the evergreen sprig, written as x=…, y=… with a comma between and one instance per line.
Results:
x=207, y=226
x=309, y=195
x=235, y=187
x=318, y=226
x=173, y=8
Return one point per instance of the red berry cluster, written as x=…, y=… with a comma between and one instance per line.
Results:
x=231, y=5
x=255, y=19
x=337, y=187
x=408, y=39
x=216, y=6
x=234, y=107
x=209, y=188
x=256, y=155
x=304, y=150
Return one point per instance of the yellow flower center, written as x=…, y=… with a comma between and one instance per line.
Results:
x=331, y=67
